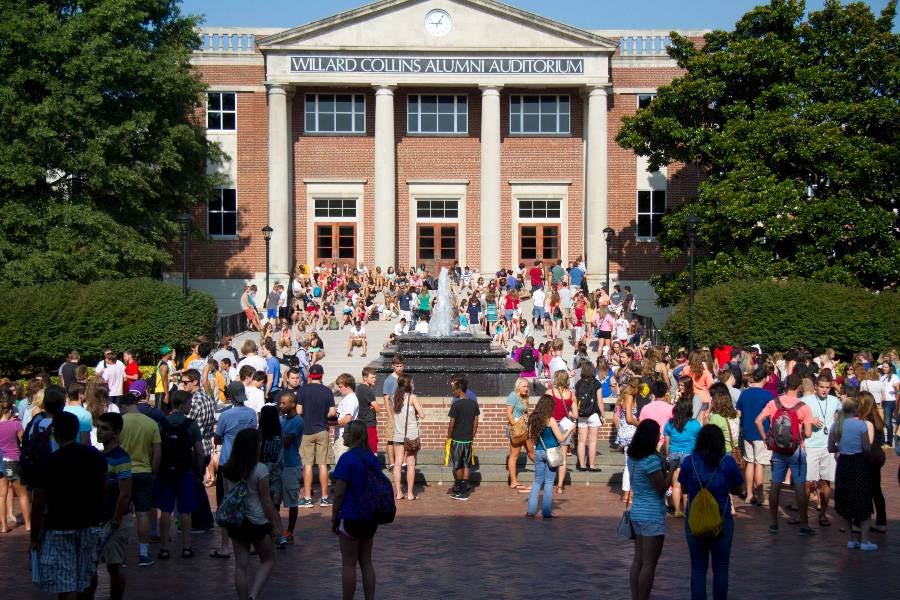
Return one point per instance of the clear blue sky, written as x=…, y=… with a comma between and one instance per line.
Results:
x=587, y=14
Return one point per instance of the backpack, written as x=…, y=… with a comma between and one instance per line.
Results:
x=177, y=449
x=36, y=449
x=586, y=392
x=526, y=358
x=784, y=434
x=644, y=397
x=233, y=509
x=704, y=514
x=375, y=502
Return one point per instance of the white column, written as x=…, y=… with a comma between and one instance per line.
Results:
x=385, y=178
x=597, y=206
x=490, y=179
x=279, y=190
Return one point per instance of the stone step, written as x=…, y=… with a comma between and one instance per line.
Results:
x=434, y=475
x=485, y=458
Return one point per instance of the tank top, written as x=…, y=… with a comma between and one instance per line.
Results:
x=548, y=439
x=561, y=406
x=405, y=423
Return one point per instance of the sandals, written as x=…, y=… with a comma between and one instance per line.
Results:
x=793, y=521
x=217, y=554
x=187, y=553
x=824, y=521
x=807, y=531
x=163, y=555
x=773, y=528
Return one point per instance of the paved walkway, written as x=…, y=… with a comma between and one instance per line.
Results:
x=439, y=548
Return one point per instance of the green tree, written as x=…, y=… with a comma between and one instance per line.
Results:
x=98, y=144
x=796, y=125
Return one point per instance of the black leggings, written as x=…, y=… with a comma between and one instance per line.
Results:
x=878, y=497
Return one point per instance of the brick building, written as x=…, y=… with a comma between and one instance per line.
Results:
x=428, y=131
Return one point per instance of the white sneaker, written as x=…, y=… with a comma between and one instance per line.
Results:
x=851, y=545
x=868, y=546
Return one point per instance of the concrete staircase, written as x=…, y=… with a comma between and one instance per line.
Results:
x=490, y=467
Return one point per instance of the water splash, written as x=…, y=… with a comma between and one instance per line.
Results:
x=442, y=315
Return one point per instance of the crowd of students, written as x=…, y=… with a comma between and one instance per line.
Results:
x=262, y=422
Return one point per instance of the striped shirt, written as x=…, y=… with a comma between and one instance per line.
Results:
x=118, y=468
x=647, y=505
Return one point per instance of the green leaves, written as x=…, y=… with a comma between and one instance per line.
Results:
x=797, y=125
x=41, y=324
x=98, y=148
x=789, y=314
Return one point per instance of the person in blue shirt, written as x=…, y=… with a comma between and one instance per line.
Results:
x=356, y=534
x=273, y=370
x=750, y=403
x=291, y=434
x=680, y=434
x=708, y=466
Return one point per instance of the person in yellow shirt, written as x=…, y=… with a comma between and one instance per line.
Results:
x=141, y=439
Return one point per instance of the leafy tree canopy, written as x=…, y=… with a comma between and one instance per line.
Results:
x=796, y=124
x=98, y=149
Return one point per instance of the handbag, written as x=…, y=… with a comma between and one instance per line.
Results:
x=735, y=451
x=410, y=446
x=518, y=431
x=555, y=456
x=876, y=456
x=625, y=528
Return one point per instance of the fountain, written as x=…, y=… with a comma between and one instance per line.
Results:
x=431, y=359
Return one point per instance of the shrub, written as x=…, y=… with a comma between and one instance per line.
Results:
x=787, y=314
x=39, y=325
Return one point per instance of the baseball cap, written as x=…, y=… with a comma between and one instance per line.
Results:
x=165, y=349
x=757, y=347
x=316, y=371
x=138, y=388
x=235, y=392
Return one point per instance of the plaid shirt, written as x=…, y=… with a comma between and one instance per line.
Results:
x=203, y=411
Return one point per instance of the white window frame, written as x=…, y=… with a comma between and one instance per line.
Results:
x=221, y=111
x=521, y=116
x=344, y=200
x=219, y=214
x=639, y=213
x=353, y=115
x=459, y=100
x=649, y=97
x=444, y=219
x=546, y=219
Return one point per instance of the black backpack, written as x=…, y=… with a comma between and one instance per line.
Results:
x=526, y=358
x=644, y=397
x=586, y=393
x=375, y=501
x=36, y=449
x=177, y=449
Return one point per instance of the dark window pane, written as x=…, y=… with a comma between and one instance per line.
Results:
x=228, y=101
x=229, y=223
x=429, y=123
x=326, y=103
x=448, y=253
x=516, y=102
x=426, y=232
x=343, y=122
x=445, y=123
x=659, y=201
x=229, y=200
x=346, y=231
x=548, y=105
x=643, y=202
x=360, y=103
x=531, y=104
x=448, y=232
x=515, y=124
x=643, y=226
x=529, y=232
x=214, y=120
x=564, y=105
x=656, y=223
x=445, y=104
x=563, y=123
x=412, y=123
x=343, y=103
x=429, y=104
x=310, y=121
x=228, y=121
x=359, y=123
x=326, y=122
x=644, y=100
x=214, y=101
x=548, y=123
x=215, y=223
x=426, y=253
x=462, y=123
x=531, y=124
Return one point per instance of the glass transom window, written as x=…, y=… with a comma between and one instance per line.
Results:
x=221, y=111
x=539, y=114
x=335, y=113
x=540, y=209
x=437, y=114
x=335, y=208
x=644, y=100
x=433, y=208
x=221, y=216
x=650, y=208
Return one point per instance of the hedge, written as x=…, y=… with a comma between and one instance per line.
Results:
x=780, y=315
x=39, y=325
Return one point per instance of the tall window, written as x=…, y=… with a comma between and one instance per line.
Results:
x=437, y=114
x=437, y=242
x=644, y=100
x=437, y=208
x=335, y=208
x=221, y=112
x=650, y=208
x=335, y=113
x=336, y=242
x=539, y=114
x=538, y=242
x=221, y=215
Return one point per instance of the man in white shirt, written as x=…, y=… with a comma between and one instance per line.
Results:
x=422, y=325
x=890, y=385
x=249, y=350
x=112, y=371
x=255, y=397
x=401, y=328
x=357, y=338
x=537, y=309
x=556, y=362
x=347, y=410
x=820, y=463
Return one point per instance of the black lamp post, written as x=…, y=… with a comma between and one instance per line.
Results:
x=692, y=221
x=267, y=235
x=607, y=235
x=185, y=220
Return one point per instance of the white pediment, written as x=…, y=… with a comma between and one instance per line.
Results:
x=475, y=25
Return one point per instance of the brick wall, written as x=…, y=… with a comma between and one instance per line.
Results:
x=491, y=424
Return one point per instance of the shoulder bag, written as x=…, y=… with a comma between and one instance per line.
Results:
x=735, y=451
x=555, y=456
x=518, y=431
x=625, y=529
x=411, y=446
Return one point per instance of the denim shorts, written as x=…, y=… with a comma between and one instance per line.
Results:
x=649, y=528
x=796, y=462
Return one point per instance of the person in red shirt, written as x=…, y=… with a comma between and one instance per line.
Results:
x=132, y=371
x=722, y=354
x=536, y=275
